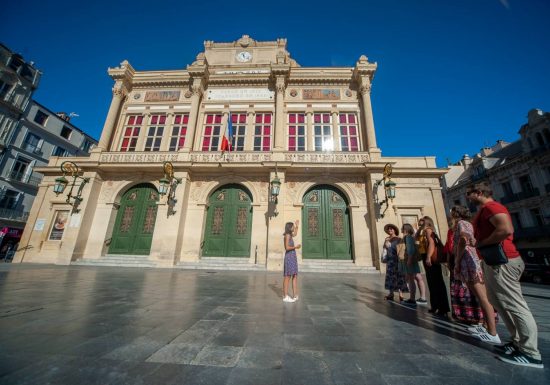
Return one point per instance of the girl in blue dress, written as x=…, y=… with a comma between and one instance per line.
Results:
x=290, y=262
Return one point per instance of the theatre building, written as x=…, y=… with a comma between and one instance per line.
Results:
x=159, y=191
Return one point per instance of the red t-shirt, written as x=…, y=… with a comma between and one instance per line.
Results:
x=483, y=227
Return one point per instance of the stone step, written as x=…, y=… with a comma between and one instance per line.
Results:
x=221, y=263
x=334, y=266
x=117, y=260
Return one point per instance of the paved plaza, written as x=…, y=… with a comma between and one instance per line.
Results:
x=103, y=325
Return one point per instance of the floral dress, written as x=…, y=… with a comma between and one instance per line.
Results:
x=470, y=266
x=291, y=261
x=395, y=280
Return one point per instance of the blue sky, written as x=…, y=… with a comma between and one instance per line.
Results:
x=453, y=76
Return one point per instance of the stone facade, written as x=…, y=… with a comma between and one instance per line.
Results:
x=519, y=173
x=309, y=127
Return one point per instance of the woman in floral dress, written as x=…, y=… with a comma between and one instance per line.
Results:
x=395, y=280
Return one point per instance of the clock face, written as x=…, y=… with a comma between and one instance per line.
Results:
x=244, y=56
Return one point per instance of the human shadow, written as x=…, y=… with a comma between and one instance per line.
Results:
x=417, y=317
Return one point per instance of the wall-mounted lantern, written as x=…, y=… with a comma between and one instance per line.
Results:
x=389, y=188
x=61, y=183
x=275, y=185
x=167, y=184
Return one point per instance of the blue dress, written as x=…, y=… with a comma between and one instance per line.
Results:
x=291, y=262
x=395, y=280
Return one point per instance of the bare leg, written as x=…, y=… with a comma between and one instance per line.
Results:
x=295, y=285
x=420, y=283
x=285, y=285
x=488, y=312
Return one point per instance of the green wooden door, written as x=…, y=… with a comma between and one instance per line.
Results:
x=135, y=221
x=228, y=223
x=325, y=229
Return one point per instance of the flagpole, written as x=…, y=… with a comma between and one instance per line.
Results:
x=229, y=137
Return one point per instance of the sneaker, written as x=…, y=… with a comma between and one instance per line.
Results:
x=518, y=358
x=288, y=299
x=477, y=330
x=296, y=298
x=488, y=338
x=409, y=302
x=421, y=301
x=508, y=348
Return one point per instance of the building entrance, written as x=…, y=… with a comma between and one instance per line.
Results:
x=135, y=221
x=228, y=223
x=325, y=224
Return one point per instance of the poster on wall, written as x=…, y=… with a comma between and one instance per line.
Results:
x=60, y=222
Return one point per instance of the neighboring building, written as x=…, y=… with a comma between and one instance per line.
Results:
x=18, y=81
x=40, y=135
x=519, y=174
x=312, y=128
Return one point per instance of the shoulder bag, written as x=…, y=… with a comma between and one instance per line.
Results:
x=493, y=255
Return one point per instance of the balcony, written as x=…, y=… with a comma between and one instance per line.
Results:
x=532, y=232
x=21, y=178
x=520, y=196
x=14, y=215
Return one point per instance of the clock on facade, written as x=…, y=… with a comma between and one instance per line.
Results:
x=244, y=56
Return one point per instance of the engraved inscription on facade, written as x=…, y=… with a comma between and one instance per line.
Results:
x=321, y=94
x=162, y=96
x=240, y=94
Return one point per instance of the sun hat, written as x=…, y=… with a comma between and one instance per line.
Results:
x=394, y=227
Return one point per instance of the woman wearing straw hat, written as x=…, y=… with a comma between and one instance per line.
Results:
x=395, y=280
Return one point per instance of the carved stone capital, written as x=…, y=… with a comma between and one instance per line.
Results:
x=197, y=89
x=120, y=90
x=365, y=89
x=280, y=84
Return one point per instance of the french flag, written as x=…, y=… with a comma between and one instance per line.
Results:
x=226, y=140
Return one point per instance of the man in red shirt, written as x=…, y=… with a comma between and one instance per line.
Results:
x=493, y=225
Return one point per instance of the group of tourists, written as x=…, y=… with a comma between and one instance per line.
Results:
x=485, y=269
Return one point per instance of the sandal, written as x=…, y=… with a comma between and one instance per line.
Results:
x=401, y=298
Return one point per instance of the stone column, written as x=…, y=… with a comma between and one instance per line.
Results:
x=364, y=89
x=119, y=93
x=280, y=87
x=335, y=136
x=276, y=225
x=310, y=135
x=197, y=89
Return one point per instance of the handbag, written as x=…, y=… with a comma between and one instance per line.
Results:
x=493, y=255
x=438, y=255
x=384, y=257
x=401, y=249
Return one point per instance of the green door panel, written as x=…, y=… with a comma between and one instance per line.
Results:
x=325, y=229
x=135, y=221
x=228, y=223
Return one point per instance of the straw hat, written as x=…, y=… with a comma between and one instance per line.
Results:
x=394, y=227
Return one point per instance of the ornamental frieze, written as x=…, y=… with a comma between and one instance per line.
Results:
x=230, y=157
x=327, y=158
x=137, y=157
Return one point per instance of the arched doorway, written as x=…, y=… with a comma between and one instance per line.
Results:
x=228, y=223
x=135, y=221
x=325, y=224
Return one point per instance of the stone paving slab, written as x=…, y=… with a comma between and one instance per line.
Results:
x=104, y=325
